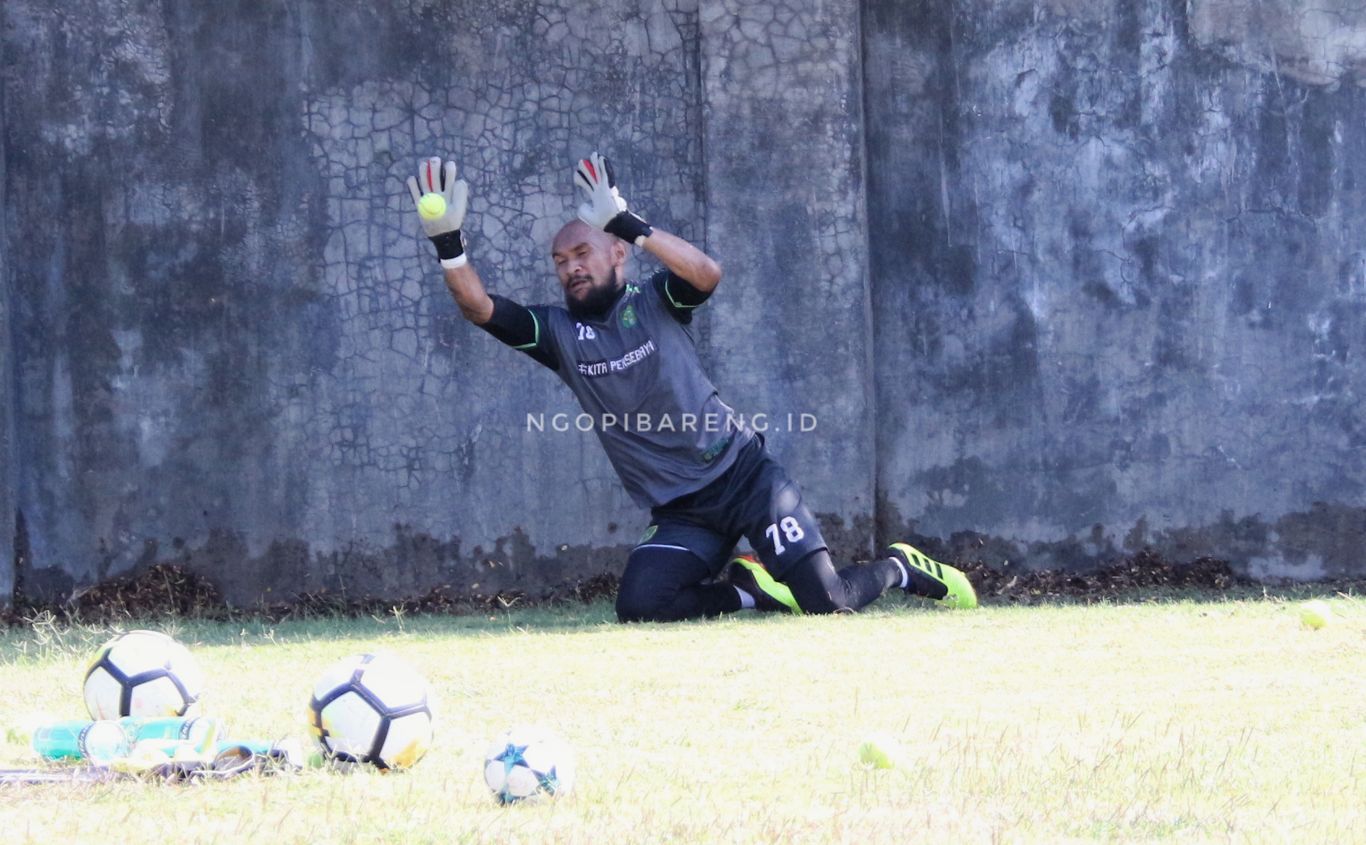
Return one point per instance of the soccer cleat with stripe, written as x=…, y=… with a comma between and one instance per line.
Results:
x=932, y=579
x=770, y=595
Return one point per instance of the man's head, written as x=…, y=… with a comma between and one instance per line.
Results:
x=588, y=262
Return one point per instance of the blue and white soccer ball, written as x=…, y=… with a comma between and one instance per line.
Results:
x=142, y=673
x=372, y=708
x=528, y=762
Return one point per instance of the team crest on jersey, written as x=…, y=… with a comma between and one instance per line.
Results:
x=716, y=448
x=628, y=317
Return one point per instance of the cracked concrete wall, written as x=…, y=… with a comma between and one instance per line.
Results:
x=1117, y=262
x=7, y=432
x=237, y=352
x=784, y=174
x=1321, y=42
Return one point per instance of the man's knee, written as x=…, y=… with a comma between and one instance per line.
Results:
x=815, y=584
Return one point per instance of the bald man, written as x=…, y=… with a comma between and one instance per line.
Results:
x=627, y=352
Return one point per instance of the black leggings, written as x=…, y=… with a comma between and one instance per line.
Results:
x=670, y=574
x=663, y=584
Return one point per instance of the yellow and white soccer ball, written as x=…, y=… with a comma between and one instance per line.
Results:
x=144, y=674
x=372, y=708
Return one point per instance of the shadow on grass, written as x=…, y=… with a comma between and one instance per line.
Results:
x=44, y=635
x=170, y=598
x=1143, y=578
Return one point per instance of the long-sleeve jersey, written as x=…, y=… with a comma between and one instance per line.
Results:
x=635, y=371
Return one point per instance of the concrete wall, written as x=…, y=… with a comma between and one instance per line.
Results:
x=7, y=433
x=1120, y=281
x=236, y=350
x=1107, y=290
x=792, y=333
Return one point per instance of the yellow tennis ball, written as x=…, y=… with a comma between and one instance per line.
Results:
x=431, y=206
x=878, y=751
x=1315, y=614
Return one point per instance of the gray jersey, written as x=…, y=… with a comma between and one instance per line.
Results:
x=636, y=373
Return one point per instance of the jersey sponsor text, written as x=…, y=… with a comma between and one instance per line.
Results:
x=616, y=365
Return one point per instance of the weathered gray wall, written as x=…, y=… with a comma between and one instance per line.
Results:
x=236, y=349
x=1118, y=267
x=1107, y=293
x=7, y=433
x=784, y=211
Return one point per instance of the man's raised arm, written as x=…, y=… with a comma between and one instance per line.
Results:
x=441, y=201
x=605, y=209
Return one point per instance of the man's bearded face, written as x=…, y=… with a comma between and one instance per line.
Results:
x=587, y=263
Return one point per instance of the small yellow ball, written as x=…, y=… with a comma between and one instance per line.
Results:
x=1315, y=614
x=879, y=751
x=431, y=206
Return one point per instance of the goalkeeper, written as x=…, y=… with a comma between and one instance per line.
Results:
x=627, y=352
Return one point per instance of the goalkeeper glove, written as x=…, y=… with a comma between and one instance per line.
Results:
x=444, y=229
x=606, y=208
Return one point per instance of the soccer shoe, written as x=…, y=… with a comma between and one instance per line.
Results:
x=935, y=580
x=750, y=575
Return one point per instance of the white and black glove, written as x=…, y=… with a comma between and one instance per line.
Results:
x=606, y=208
x=444, y=228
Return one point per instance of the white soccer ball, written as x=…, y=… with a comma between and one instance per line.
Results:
x=528, y=762
x=144, y=674
x=372, y=708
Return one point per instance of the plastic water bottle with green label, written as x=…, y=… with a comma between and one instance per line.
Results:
x=197, y=730
x=96, y=742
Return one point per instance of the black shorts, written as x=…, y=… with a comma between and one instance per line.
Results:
x=754, y=499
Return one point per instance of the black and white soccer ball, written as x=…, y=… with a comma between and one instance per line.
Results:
x=528, y=762
x=144, y=674
x=372, y=708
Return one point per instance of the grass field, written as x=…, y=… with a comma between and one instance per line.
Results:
x=1183, y=720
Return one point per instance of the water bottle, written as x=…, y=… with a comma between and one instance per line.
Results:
x=196, y=730
x=96, y=742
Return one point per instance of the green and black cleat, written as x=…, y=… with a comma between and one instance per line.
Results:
x=934, y=580
x=770, y=596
